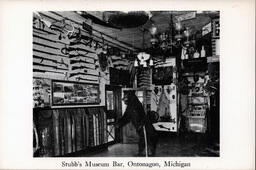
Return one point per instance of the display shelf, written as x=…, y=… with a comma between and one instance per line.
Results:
x=69, y=130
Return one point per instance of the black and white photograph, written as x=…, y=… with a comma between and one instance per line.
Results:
x=126, y=83
x=129, y=84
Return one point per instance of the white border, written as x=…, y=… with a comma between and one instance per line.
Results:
x=237, y=145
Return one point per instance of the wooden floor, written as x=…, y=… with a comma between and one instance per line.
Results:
x=185, y=145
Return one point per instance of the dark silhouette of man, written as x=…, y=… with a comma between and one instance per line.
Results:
x=135, y=113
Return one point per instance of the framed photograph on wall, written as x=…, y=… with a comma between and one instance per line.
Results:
x=41, y=92
x=74, y=93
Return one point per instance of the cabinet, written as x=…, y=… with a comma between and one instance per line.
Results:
x=197, y=99
x=164, y=97
x=66, y=131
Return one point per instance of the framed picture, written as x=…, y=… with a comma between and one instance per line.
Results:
x=162, y=75
x=41, y=92
x=74, y=93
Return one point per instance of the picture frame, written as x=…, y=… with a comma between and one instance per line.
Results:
x=41, y=92
x=74, y=93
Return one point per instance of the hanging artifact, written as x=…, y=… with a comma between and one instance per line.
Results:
x=130, y=19
x=97, y=20
x=103, y=61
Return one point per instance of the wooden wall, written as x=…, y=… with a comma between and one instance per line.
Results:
x=50, y=62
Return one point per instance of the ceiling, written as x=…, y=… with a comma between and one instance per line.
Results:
x=132, y=38
x=161, y=19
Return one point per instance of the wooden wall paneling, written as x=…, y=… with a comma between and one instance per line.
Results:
x=55, y=59
x=85, y=128
x=73, y=129
x=65, y=131
x=37, y=39
x=56, y=129
x=45, y=54
x=49, y=70
x=49, y=38
x=72, y=16
x=47, y=46
x=49, y=64
x=76, y=64
x=44, y=31
x=87, y=123
x=84, y=75
x=49, y=50
x=78, y=123
x=49, y=75
x=93, y=71
x=61, y=132
x=91, y=128
x=48, y=53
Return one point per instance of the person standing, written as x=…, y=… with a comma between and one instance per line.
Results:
x=135, y=114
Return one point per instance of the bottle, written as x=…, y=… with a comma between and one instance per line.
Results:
x=202, y=52
x=196, y=55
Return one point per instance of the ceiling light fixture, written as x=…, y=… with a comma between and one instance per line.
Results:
x=143, y=58
x=164, y=42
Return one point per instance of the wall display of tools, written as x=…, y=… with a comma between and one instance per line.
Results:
x=65, y=49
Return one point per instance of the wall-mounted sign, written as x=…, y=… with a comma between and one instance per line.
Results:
x=74, y=93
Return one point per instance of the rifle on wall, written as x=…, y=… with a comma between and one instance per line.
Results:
x=45, y=65
x=81, y=67
x=80, y=61
x=44, y=45
x=67, y=50
x=43, y=38
x=54, y=61
x=49, y=53
x=45, y=71
x=81, y=55
x=80, y=73
x=79, y=78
